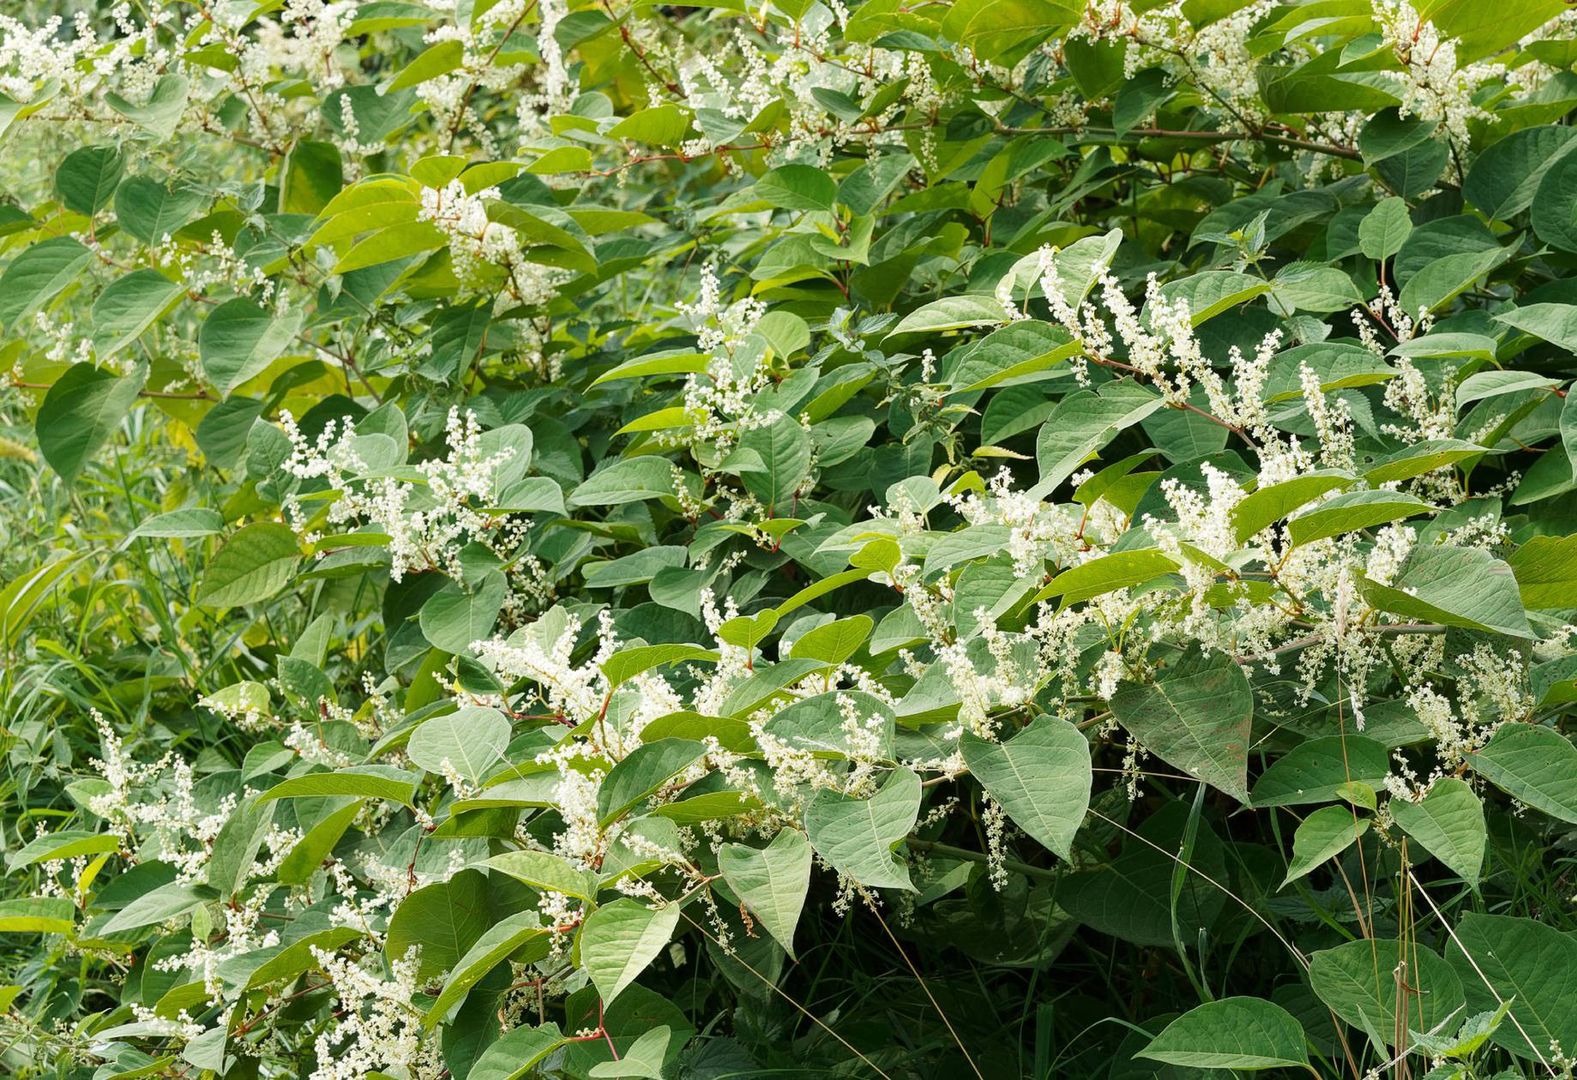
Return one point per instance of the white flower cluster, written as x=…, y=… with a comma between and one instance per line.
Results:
x=428, y=522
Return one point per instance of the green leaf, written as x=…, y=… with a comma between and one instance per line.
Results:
x=239, y=340
x=1368, y=982
x=37, y=915
x=1555, y=323
x=1324, y=834
x=834, y=642
x=785, y=451
x=1546, y=571
x=546, y=872
x=192, y=521
x=1534, y=765
x=631, y=480
x=517, y=1053
x=1418, y=459
x=1196, y=717
x=631, y=661
x=1264, y=507
x=442, y=920
x=362, y=781
x=79, y=414
x=620, y=940
x=128, y=306
x=646, y=770
x=310, y=176
x=1465, y=587
x=771, y=881
x=1501, y=958
x=160, y=905
x=950, y=313
x=159, y=111
x=798, y=187
x=642, y=1058
x=469, y=741
x=438, y=59
x=497, y=943
x=1041, y=777
x=1232, y=1033
x=660, y=125
x=1084, y=423
x=857, y=836
x=999, y=30
x=1352, y=512
x=254, y=564
x=1449, y=823
x=1107, y=573
x=87, y=178
x=1384, y=229
x=456, y=615
x=151, y=210
x=37, y=275
x=1316, y=770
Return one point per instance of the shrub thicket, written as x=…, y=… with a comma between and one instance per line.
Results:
x=992, y=538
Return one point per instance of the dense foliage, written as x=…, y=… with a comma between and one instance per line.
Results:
x=980, y=538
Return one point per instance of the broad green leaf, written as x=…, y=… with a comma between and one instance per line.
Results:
x=644, y=772
x=1315, y=770
x=1107, y=573
x=1533, y=966
x=1232, y=1033
x=1466, y=587
x=629, y=662
x=192, y=521
x=1196, y=717
x=1353, y=512
x=784, y=448
x=437, y=59
x=88, y=176
x=547, y=872
x=443, y=920
x=361, y=781
x=771, y=881
x=1449, y=823
x=37, y=915
x=1084, y=423
x=80, y=413
x=857, y=836
x=951, y=313
x=1322, y=836
x=517, y=1053
x=1041, y=777
x=160, y=905
x=1384, y=229
x=468, y=742
x=151, y=210
x=128, y=306
x=1546, y=571
x=239, y=340
x=458, y=615
x=797, y=187
x=1369, y=982
x=642, y=1058
x=834, y=642
x=254, y=564
x=620, y=940
x=1268, y=505
x=37, y=275
x=497, y=943
x=631, y=480
x=1534, y=765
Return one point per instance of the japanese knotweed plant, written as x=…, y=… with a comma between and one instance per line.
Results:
x=984, y=538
